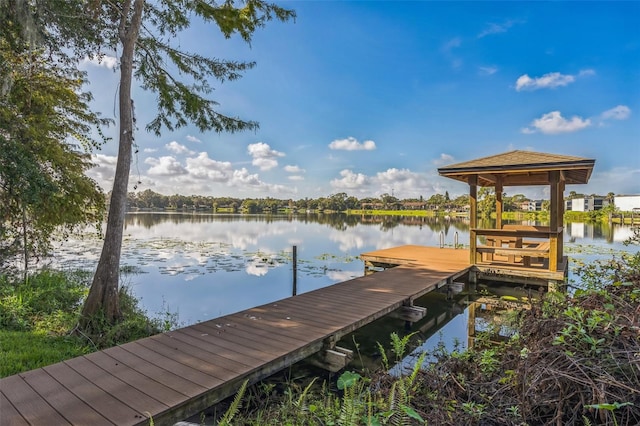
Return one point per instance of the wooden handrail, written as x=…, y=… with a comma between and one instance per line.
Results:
x=513, y=235
x=530, y=233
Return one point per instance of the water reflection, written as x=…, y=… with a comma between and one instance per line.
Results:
x=338, y=221
x=204, y=265
x=598, y=231
x=477, y=314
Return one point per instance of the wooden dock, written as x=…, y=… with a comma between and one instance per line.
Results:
x=515, y=265
x=175, y=375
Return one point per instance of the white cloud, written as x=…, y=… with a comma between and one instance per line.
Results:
x=103, y=170
x=204, y=175
x=551, y=80
x=350, y=180
x=193, y=139
x=204, y=168
x=149, y=150
x=265, y=163
x=101, y=61
x=293, y=169
x=263, y=156
x=178, y=148
x=296, y=177
x=451, y=44
x=621, y=112
x=256, y=269
x=493, y=28
x=352, y=144
x=339, y=276
x=548, y=81
x=165, y=166
x=402, y=182
x=553, y=123
x=243, y=179
x=623, y=179
x=443, y=160
x=448, y=51
x=488, y=70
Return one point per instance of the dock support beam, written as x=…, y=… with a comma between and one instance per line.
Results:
x=331, y=357
x=409, y=313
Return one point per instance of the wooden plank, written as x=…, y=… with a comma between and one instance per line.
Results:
x=8, y=413
x=340, y=315
x=336, y=316
x=319, y=310
x=10, y=416
x=167, y=378
x=508, y=251
x=203, y=361
x=353, y=293
x=213, y=345
x=277, y=334
x=296, y=323
x=61, y=399
x=304, y=310
x=192, y=374
x=129, y=395
x=253, y=343
x=109, y=406
x=33, y=408
x=149, y=386
x=492, y=272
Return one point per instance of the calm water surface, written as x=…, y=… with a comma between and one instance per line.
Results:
x=201, y=266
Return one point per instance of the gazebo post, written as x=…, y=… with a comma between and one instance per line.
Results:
x=499, y=206
x=561, y=187
x=473, y=217
x=554, y=247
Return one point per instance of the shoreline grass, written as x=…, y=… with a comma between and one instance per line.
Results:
x=38, y=319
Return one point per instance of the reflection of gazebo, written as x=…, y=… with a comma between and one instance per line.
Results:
x=508, y=248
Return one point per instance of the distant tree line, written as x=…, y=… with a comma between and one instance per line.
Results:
x=339, y=202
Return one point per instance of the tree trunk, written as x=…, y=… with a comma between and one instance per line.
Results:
x=103, y=295
x=25, y=242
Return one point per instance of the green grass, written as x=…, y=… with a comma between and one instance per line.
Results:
x=38, y=317
x=25, y=350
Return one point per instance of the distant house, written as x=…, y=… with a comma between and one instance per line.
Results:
x=627, y=203
x=531, y=206
x=586, y=204
x=372, y=206
x=414, y=205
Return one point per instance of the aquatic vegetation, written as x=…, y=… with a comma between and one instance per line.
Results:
x=173, y=256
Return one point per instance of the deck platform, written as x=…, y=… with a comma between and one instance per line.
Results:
x=175, y=375
x=506, y=267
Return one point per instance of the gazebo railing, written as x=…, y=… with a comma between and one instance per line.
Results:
x=518, y=244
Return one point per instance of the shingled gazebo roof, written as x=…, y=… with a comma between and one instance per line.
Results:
x=521, y=168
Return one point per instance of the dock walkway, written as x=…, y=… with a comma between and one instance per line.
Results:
x=174, y=375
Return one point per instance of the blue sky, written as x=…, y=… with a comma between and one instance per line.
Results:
x=372, y=97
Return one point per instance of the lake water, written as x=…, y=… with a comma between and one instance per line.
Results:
x=202, y=266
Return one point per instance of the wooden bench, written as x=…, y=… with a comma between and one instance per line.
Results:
x=510, y=241
x=500, y=242
x=514, y=251
x=541, y=250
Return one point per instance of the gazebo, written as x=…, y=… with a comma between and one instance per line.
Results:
x=523, y=252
